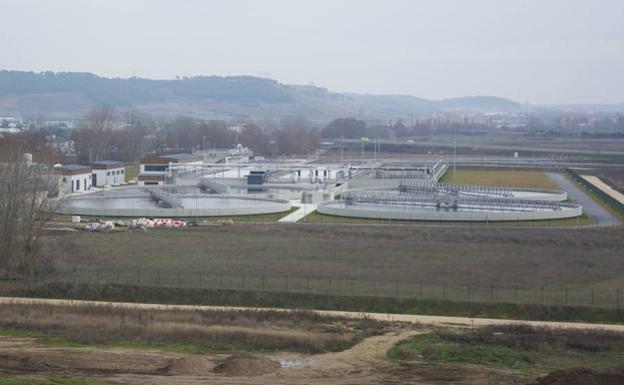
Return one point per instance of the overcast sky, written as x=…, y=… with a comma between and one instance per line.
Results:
x=537, y=51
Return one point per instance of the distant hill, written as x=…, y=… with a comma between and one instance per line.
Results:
x=72, y=93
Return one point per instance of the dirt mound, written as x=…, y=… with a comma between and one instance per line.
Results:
x=191, y=365
x=581, y=376
x=246, y=365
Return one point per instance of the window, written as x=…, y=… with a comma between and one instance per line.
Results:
x=150, y=183
x=122, y=171
x=108, y=173
x=64, y=179
x=77, y=184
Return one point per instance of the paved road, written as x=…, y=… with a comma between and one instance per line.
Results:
x=408, y=318
x=599, y=215
x=304, y=209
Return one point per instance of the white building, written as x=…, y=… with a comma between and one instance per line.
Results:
x=154, y=170
x=73, y=178
x=107, y=173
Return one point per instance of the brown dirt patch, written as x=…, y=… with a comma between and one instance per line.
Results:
x=246, y=365
x=581, y=376
x=191, y=365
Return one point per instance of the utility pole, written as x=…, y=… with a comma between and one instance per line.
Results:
x=454, y=155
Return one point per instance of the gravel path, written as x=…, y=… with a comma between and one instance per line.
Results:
x=408, y=318
x=598, y=214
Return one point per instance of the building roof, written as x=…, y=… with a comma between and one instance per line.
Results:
x=171, y=158
x=107, y=164
x=73, y=169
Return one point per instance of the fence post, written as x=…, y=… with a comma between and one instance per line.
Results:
x=592, y=296
x=493, y=290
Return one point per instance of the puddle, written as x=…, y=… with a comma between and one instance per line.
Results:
x=292, y=363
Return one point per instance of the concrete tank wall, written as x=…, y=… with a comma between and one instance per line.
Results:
x=395, y=213
x=276, y=207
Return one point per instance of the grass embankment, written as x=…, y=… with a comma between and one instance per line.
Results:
x=182, y=296
x=516, y=346
x=183, y=331
x=506, y=178
x=49, y=380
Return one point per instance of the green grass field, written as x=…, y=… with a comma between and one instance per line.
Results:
x=519, y=347
x=132, y=172
x=519, y=179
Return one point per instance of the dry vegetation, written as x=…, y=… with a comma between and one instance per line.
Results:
x=476, y=256
x=191, y=331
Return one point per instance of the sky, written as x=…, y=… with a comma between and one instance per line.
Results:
x=533, y=51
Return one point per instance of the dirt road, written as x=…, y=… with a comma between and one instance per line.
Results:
x=618, y=196
x=407, y=318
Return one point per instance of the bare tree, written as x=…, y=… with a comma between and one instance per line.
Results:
x=25, y=206
x=93, y=138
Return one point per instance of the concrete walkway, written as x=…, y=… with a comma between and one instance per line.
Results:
x=295, y=216
x=598, y=214
x=408, y=318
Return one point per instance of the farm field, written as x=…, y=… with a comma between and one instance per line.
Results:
x=519, y=179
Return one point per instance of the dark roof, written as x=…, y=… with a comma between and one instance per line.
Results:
x=178, y=156
x=72, y=169
x=74, y=166
x=105, y=164
x=173, y=158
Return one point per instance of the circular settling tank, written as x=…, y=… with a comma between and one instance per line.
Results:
x=201, y=205
x=471, y=212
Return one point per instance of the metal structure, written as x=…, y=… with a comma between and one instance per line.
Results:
x=165, y=198
x=210, y=184
x=436, y=200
